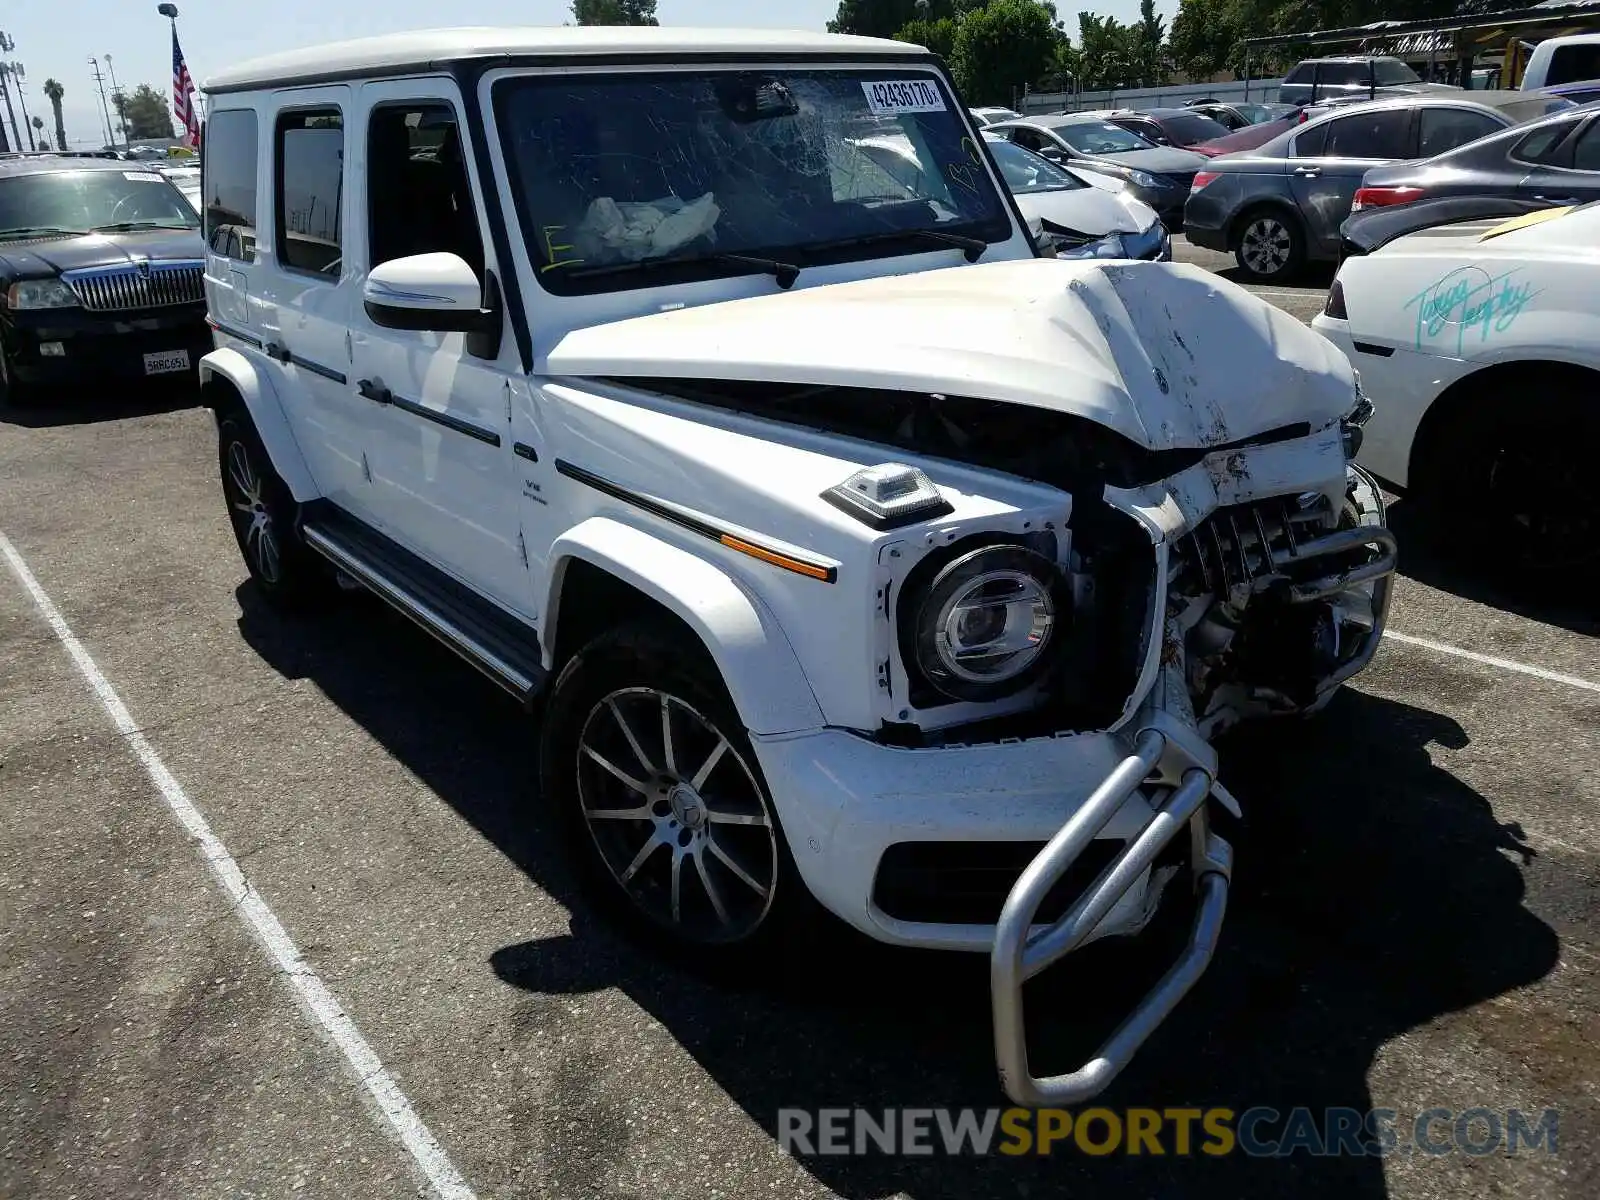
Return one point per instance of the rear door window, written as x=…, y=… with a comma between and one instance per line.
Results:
x=228, y=191
x=1547, y=146
x=1379, y=134
x=1586, y=151
x=1343, y=73
x=1442, y=129
x=310, y=147
x=1310, y=143
x=1392, y=73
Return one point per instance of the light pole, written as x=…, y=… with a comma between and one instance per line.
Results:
x=118, y=102
x=111, y=137
x=19, y=73
x=6, y=47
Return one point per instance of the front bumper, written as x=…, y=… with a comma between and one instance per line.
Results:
x=1117, y=800
x=844, y=800
x=102, y=346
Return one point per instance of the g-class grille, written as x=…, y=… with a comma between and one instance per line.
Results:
x=138, y=285
x=1250, y=542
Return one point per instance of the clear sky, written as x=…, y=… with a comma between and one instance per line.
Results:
x=54, y=38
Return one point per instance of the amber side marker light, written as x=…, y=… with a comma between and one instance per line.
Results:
x=810, y=570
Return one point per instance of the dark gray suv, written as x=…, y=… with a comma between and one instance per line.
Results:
x=1373, y=76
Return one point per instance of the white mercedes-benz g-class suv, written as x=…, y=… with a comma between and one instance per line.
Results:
x=852, y=551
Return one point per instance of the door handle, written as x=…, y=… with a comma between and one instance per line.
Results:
x=375, y=391
x=1308, y=172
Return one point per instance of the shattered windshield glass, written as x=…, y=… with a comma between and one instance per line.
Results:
x=633, y=180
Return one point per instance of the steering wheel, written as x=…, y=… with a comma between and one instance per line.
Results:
x=116, y=209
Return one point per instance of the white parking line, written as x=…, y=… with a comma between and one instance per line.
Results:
x=1489, y=660
x=374, y=1077
x=1317, y=294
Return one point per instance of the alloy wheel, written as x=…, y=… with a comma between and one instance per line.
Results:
x=1546, y=501
x=253, y=518
x=677, y=816
x=1266, y=246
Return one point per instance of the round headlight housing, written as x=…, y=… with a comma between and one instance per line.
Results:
x=987, y=625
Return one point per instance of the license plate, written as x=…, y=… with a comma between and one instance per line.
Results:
x=166, y=362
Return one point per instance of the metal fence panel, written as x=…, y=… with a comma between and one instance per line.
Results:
x=1261, y=91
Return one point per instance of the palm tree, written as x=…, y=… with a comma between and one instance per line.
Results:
x=38, y=125
x=53, y=92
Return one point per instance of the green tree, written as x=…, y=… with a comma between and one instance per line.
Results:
x=53, y=92
x=145, y=113
x=1108, y=54
x=614, y=12
x=938, y=36
x=884, y=18
x=1001, y=47
x=1147, y=37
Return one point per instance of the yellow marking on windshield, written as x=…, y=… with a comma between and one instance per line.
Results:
x=552, y=251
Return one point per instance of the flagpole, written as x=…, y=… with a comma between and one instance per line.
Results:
x=170, y=11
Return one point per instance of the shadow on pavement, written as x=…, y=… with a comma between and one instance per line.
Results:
x=103, y=402
x=1312, y=276
x=1484, y=579
x=1373, y=892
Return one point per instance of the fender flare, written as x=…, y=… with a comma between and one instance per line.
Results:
x=229, y=367
x=758, y=665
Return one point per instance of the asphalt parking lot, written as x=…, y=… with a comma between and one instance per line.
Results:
x=1415, y=921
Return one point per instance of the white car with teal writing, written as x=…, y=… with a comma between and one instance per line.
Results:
x=1478, y=343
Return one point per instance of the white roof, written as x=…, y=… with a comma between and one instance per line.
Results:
x=423, y=48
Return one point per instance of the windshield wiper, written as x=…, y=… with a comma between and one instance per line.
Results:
x=133, y=226
x=28, y=231
x=971, y=246
x=784, y=273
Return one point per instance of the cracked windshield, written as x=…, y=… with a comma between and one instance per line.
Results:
x=690, y=176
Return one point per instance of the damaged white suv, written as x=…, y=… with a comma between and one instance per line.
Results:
x=854, y=552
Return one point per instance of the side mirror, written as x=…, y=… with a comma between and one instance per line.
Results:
x=436, y=292
x=1054, y=153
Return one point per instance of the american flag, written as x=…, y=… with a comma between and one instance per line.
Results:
x=183, y=95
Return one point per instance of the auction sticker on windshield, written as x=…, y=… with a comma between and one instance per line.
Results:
x=890, y=97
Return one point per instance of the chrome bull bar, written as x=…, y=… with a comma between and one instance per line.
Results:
x=1020, y=952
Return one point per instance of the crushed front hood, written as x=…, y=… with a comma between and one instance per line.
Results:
x=1166, y=354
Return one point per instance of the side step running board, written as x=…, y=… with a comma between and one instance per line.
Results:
x=499, y=645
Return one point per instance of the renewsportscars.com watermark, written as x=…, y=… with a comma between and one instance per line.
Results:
x=1259, y=1132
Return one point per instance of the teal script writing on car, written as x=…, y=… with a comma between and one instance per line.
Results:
x=1469, y=301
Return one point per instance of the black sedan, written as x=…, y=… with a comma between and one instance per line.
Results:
x=1241, y=114
x=1553, y=161
x=1182, y=127
x=101, y=276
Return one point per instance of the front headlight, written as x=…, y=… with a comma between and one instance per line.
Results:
x=986, y=626
x=1143, y=179
x=40, y=293
x=1110, y=246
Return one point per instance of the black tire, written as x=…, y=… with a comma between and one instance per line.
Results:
x=705, y=830
x=265, y=519
x=1269, y=245
x=1517, y=474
